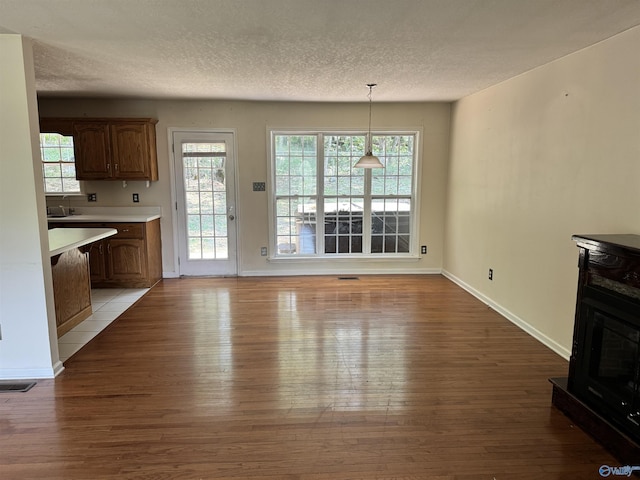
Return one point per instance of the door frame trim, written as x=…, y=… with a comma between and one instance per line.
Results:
x=174, y=195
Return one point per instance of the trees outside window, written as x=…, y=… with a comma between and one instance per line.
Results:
x=58, y=164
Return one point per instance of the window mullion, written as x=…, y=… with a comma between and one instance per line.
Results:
x=366, y=213
x=320, y=195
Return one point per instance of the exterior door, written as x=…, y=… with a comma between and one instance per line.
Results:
x=205, y=203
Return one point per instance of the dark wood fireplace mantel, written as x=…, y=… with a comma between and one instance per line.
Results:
x=602, y=391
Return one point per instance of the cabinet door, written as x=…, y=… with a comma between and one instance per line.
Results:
x=126, y=259
x=92, y=150
x=97, y=261
x=130, y=151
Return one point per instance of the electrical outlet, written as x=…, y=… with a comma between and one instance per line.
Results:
x=423, y=250
x=491, y=274
x=136, y=198
x=263, y=251
x=92, y=197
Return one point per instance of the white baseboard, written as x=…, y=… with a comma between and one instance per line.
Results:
x=27, y=373
x=58, y=367
x=339, y=271
x=535, y=333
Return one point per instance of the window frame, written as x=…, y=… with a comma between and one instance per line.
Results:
x=64, y=127
x=60, y=163
x=321, y=254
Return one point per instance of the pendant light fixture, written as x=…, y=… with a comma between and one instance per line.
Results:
x=369, y=160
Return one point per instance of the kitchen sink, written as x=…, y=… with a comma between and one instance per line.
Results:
x=57, y=212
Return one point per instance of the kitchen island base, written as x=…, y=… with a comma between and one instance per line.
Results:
x=70, y=274
x=71, y=289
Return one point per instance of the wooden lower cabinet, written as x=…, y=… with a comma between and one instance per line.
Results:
x=97, y=265
x=130, y=259
x=126, y=260
x=118, y=260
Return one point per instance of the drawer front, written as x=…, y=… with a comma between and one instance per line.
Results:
x=128, y=230
x=622, y=269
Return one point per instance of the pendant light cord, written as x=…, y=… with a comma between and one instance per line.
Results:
x=370, y=140
x=369, y=160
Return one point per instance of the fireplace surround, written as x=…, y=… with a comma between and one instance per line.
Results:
x=602, y=391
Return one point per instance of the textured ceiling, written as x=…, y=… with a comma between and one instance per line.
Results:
x=301, y=50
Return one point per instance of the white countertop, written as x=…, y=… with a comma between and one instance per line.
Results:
x=105, y=217
x=63, y=239
x=110, y=214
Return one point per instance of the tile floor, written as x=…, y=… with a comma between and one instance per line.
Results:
x=108, y=304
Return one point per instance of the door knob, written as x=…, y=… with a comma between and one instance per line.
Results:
x=231, y=217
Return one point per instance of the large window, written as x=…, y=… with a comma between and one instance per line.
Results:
x=58, y=164
x=324, y=207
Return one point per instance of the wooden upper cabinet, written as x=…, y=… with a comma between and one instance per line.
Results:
x=133, y=150
x=110, y=148
x=92, y=150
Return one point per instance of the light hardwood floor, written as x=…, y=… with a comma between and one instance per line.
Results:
x=305, y=378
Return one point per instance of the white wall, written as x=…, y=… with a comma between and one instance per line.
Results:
x=29, y=347
x=545, y=155
x=251, y=121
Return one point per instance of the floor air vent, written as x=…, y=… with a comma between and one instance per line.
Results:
x=16, y=387
x=348, y=278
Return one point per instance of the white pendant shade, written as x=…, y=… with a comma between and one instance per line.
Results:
x=369, y=161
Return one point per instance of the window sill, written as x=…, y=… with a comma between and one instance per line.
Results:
x=345, y=258
x=75, y=194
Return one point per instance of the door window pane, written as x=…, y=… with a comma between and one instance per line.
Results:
x=206, y=199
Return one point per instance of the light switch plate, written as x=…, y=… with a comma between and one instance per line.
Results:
x=259, y=186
